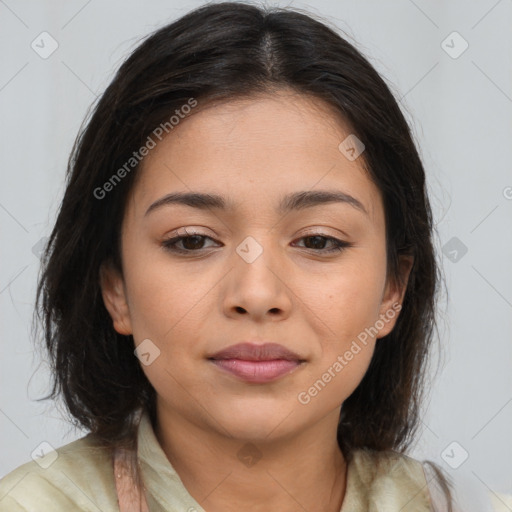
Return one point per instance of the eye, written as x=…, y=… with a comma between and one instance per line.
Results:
x=194, y=242
x=191, y=242
x=317, y=242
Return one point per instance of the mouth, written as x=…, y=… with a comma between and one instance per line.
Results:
x=257, y=363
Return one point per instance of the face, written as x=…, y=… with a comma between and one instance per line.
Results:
x=305, y=273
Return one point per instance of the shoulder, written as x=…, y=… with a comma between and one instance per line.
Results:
x=76, y=476
x=394, y=482
x=387, y=464
x=391, y=480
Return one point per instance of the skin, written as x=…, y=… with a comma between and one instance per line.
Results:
x=253, y=151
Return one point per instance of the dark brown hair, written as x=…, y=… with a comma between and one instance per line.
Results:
x=225, y=51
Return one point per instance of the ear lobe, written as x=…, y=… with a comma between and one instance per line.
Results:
x=394, y=295
x=114, y=298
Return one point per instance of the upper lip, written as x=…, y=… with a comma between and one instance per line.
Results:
x=256, y=352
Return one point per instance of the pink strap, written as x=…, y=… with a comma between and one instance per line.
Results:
x=128, y=495
x=437, y=495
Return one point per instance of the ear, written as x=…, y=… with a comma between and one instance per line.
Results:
x=114, y=297
x=393, y=296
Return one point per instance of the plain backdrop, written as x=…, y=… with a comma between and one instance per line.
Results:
x=449, y=65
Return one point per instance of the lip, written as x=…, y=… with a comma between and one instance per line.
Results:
x=256, y=352
x=257, y=363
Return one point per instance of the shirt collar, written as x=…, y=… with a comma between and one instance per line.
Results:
x=166, y=491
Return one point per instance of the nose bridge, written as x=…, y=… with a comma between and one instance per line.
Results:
x=256, y=260
x=257, y=286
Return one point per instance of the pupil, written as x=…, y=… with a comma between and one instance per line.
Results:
x=319, y=239
x=197, y=239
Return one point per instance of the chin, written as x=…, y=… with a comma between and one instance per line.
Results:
x=255, y=420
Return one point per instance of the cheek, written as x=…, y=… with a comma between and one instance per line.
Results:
x=346, y=309
x=168, y=306
x=349, y=297
x=345, y=354
x=163, y=298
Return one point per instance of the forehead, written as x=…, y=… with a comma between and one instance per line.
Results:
x=263, y=146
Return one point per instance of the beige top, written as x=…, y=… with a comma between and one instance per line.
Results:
x=80, y=476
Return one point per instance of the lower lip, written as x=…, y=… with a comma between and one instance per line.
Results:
x=257, y=371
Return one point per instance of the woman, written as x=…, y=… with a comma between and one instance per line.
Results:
x=238, y=294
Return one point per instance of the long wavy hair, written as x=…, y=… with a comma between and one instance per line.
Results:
x=226, y=51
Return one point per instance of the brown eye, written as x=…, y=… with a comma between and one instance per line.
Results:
x=317, y=242
x=190, y=243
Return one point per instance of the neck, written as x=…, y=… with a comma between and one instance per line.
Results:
x=306, y=471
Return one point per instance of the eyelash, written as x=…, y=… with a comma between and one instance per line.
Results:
x=169, y=244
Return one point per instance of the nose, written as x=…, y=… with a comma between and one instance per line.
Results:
x=257, y=287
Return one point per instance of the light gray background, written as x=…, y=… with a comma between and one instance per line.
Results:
x=460, y=109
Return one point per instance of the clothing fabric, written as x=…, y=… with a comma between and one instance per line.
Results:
x=82, y=478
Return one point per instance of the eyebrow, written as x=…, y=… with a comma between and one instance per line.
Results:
x=291, y=202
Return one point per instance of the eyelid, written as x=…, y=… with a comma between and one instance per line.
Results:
x=188, y=231
x=191, y=231
x=322, y=231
